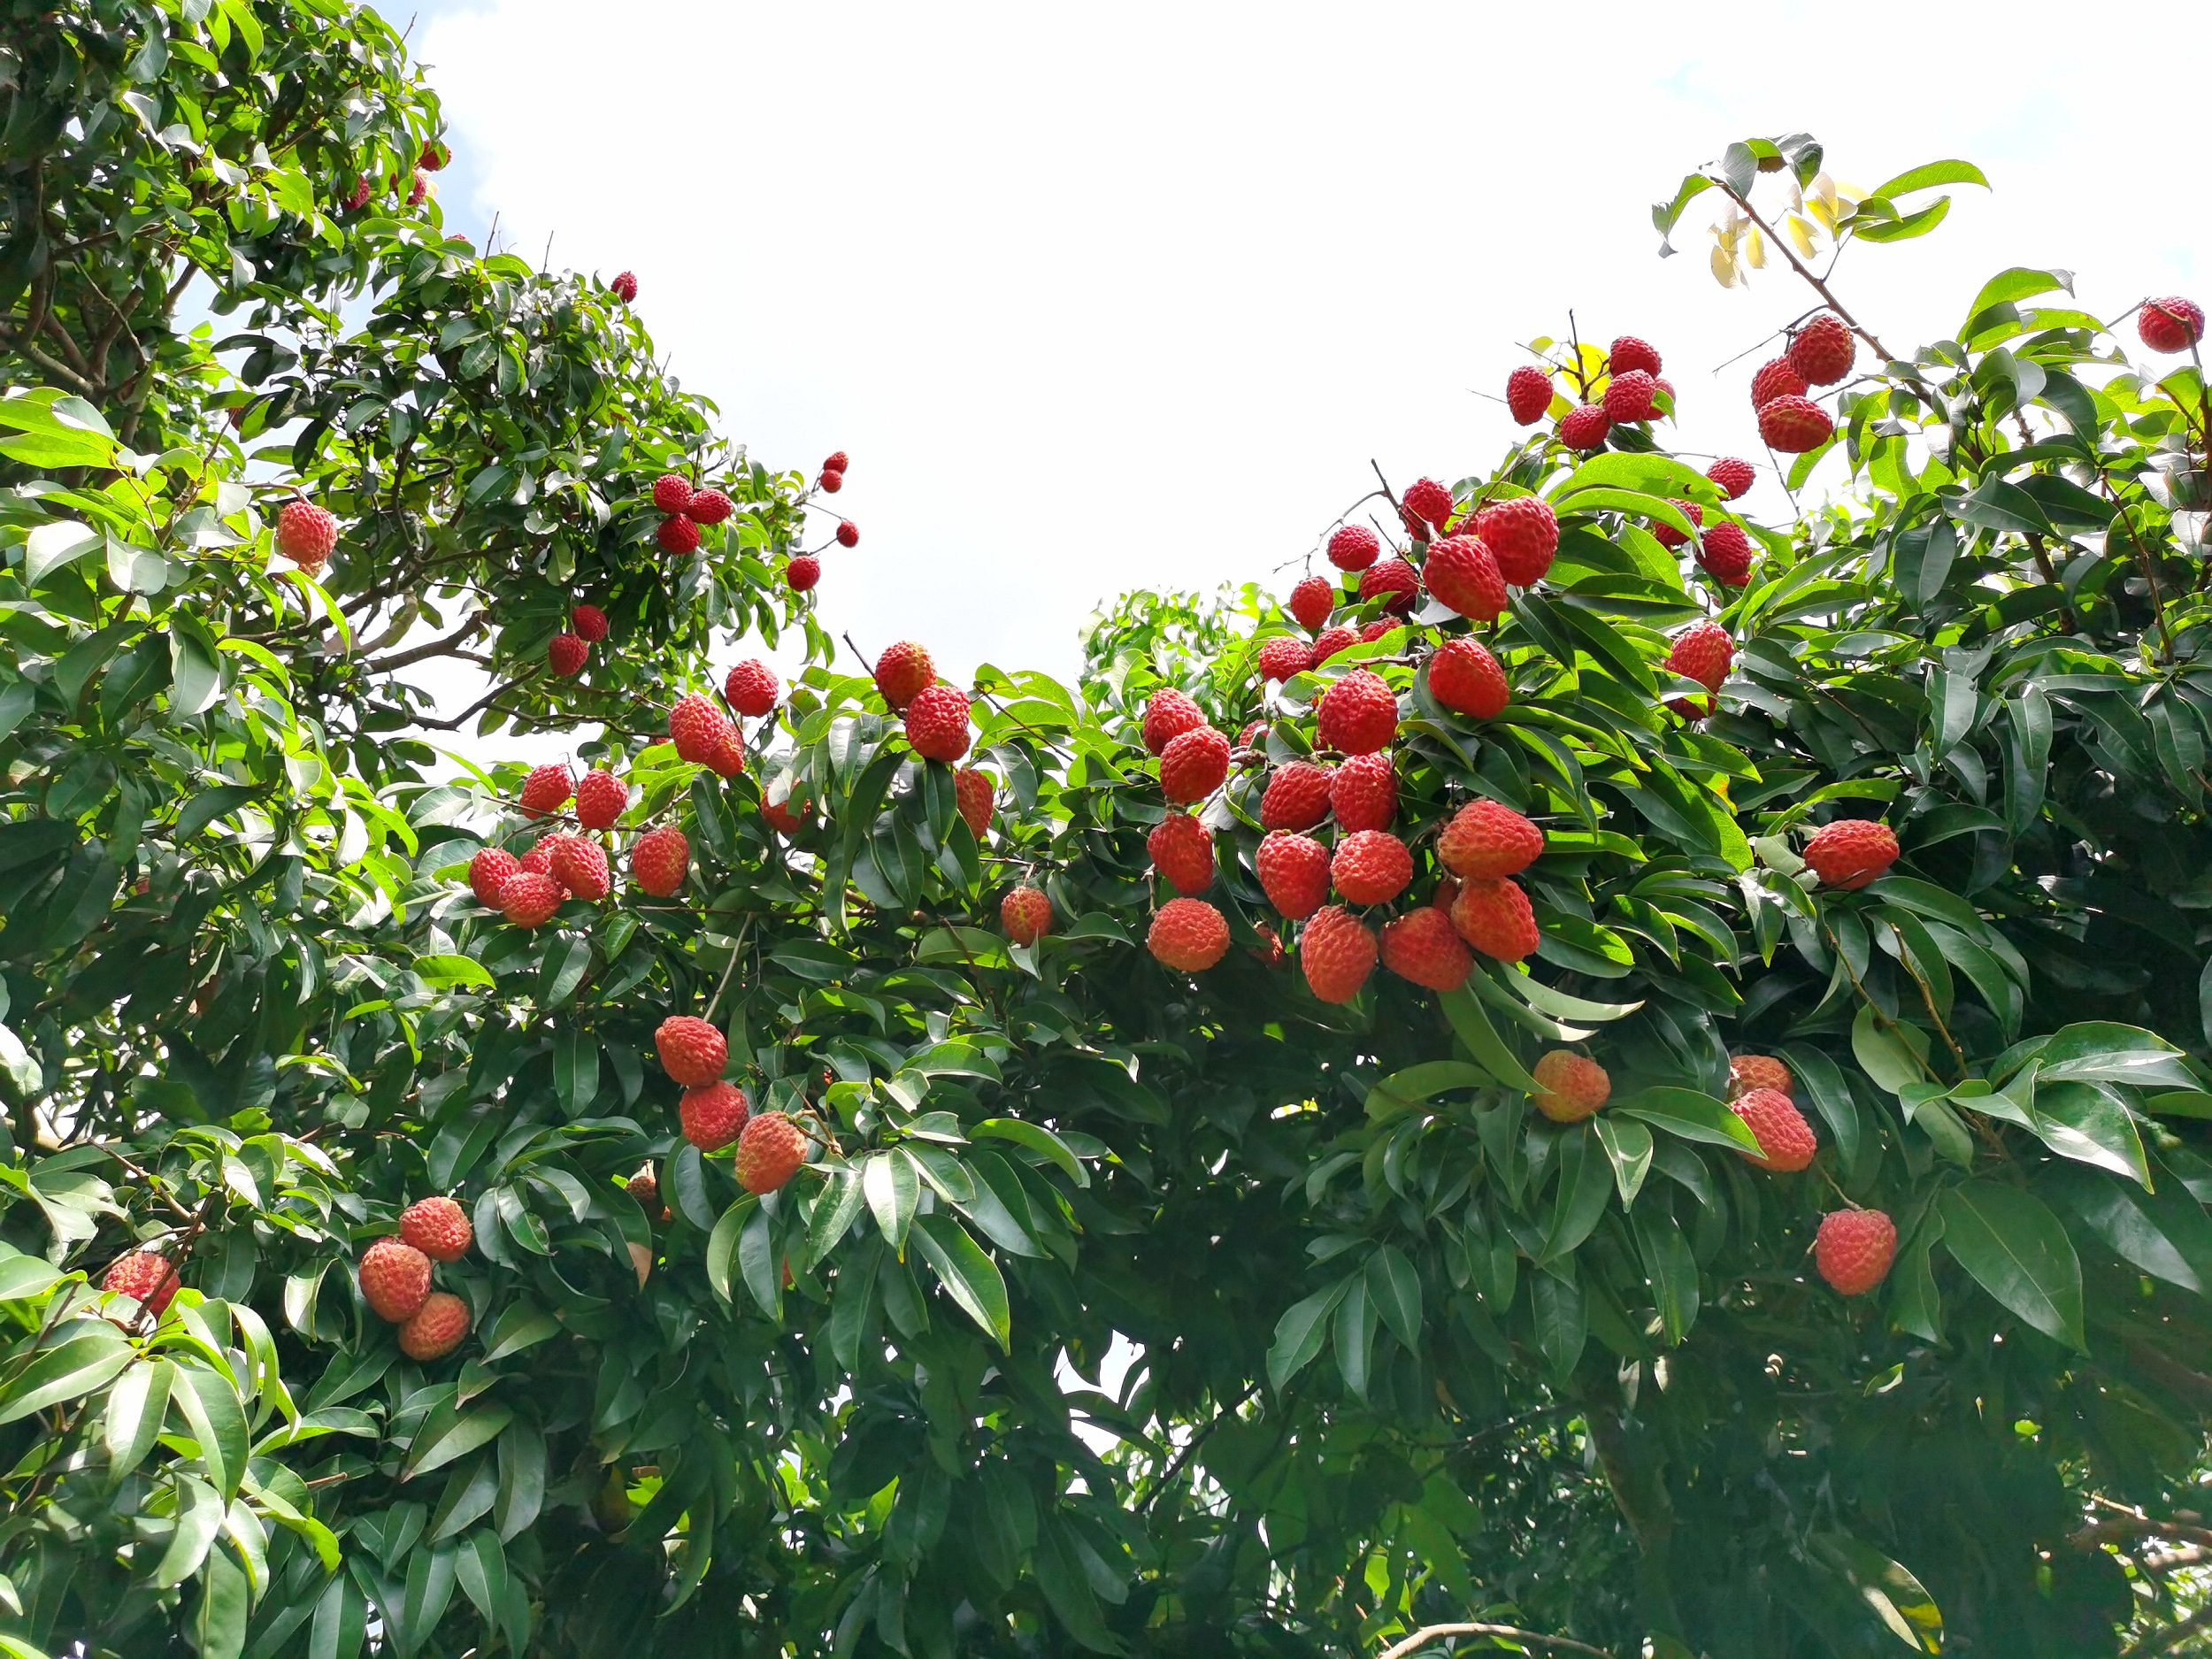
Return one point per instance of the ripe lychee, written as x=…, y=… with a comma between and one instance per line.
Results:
x=547, y=789
x=1522, y=535
x=803, y=573
x=830, y=482
x=937, y=723
x=1791, y=425
x=488, y=872
x=1168, y=714
x=1495, y=917
x=1666, y=535
x=1421, y=946
x=1724, y=554
x=438, y=1228
x=2172, y=324
x=838, y=463
x=1297, y=798
x=1353, y=547
x=305, y=534
x=579, y=865
x=691, y=1051
x=1312, y=600
x=728, y=758
x=147, y=1279
x=1461, y=570
x=752, y=689
x=1371, y=867
x=696, y=727
x=660, y=860
x=1629, y=355
x=1785, y=1140
x=1851, y=852
x=1194, y=766
x=1734, y=475
x=708, y=506
x=1284, y=657
x=394, y=1279
x=1331, y=640
x=1364, y=793
x=566, y=655
x=601, y=798
x=588, y=623
x=1570, y=1087
x=783, y=817
x=1488, y=839
x=624, y=286
x=528, y=899
x=1393, y=582
x=359, y=199
x=1336, y=952
x=1776, y=379
x=1293, y=873
x=1628, y=397
x=1823, y=350
x=770, y=1150
x=645, y=1187
x=974, y=793
x=1466, y=679
x=436, y=1328
x=712, y=1116
x=902, y=672
x=1854, y=1249
x=1358, y=714
x=1702, y=652
x=539, y=860
x=671, y=492
x=1527, y=393
x=1585, y=426
x=1025, y=914
x=677, y=534
x=1182, y=850
x=1189, y=935
x=1430, y=501
x=1748, y=1072
x=847, y=532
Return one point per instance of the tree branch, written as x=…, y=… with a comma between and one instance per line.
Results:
x=1819, y=286
x=1423, y=1637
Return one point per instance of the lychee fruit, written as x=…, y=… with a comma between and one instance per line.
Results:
x=1570, y=1087
x=1025, y=914
x=547, y=789
x=830, y=482
x=1748, y=1072
x=1353, y=547
x=1378, y=628
x=1488, y=839
x=691, y=1051
x=1585, y=426
x=1194, y=766
x=1312, y=600
x=588, y=623
x=394, y=1279
x=784, y=817
x=803, y=573
x=712, y=1116
x=1189, y=935
x=529, y=899
x=1430, y=501
x=1522, y=535
x=305, y=534
x=1791, y=425
x=974, y=794
x=1284, y=657
x=359, y=199
x=438, y=1228
x=539, y=860
x=1854, y=1249
x=1667, y=535
x=1776, y=379
x=1168, y=714
x=436, y=1328
x=1331, y=640
x=488, y=872
x=624, y=286
x=1293, y=873
x=1466, y=679
x=671, y=492
x=728, y=758
x=902, y=672
x=847, y=532
x=579, y=865
x=1182, y=850
x=937, y=723
x=566, y=655
x=1336, y=952
x=1296, y=797
x=1823, y=350
x=1851, y=852
x=1628, y=396
x=1421, y=946
x=2172, y=324
x=1785, y=1140
x=1371, y=867
x=838, y=463
x=677, y=534
x=1734, y=475
x=752, y=689
x=601, y=798
x=146, y=1278
x=696, y=727
x=1358, y=714
x=660, y=860
x=708, y=506
x=1461, y=571
x=1702, y=652
x=1393, y=582
x=1724, y=554
x=1527, y=393
x=770, y=1150
x=645, y=1186
x=1364, y=793
x=1495, y=917
x=1630, y=355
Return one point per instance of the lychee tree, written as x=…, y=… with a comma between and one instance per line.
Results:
x=690, y=1206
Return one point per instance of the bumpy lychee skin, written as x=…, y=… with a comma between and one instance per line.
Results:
x=645, y=1186
x=566, y=655
x=528, y=899
x=1430, y=501
x=1748, y=1072
x=1393, y=582
x=1725, y=554
x=752, y=689
x=770, y=1151
x=1421, y=946
x=1182, y=850
x=677, y=534
x=1628, y=396
x=1823, y=350
x=1486, y=839
x=1522, y=535
x=1358, y=714
x=539, y=860
x=1734, y=475
x=784, y=817
x=579, y=865
x=1571, y=1086
x=1854, y=1249
x=1188, y=935
x=1702, y=652
x=488, y=872
x=588, y=623
x=1467, y=679
x=1464, y=574
x=2172, y=324
x=902, y=672
x=1666, y=535
x=1527, y=393
x=1851, y=852
x=712, y=1115
x=306, y=534
x=1025, y=914
x=436, y=1328
x=625, y=286
x=727, y=758
x=601, y=798
x=1353, y=547
x=830, y=482
x=1364, y=793
x=840, y=463
x=1168, y=714
x=695, y=726
x=1293, y=873
x=1495, y=917
x=803, y=573
x=708, y=506
x=1378, y=628
x=1785, y=1140
x=1331, y=640
x=660, y=860
x=1776, y=379
x=394, y=1279
x=438, y=1228
x=974, y=794
x=1791, y=425
x=1296, y=797
x=671, y=492
x=1371, y=867
x=1629, y=353
x=1336, y=952
x=1312, y=600
x=547, y=789
x=691, y=1051
x=147, y=1279
x=1194, y=766
x=1284, y=657
x=937, y=723
x=847, y=532
x=1585, y=427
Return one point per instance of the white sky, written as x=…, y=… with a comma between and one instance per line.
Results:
x=1107, y=297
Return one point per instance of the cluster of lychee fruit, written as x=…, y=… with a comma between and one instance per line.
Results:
x=560, y=865
x=394, y=1278
x=688, y=510
x=805, y=569
x=433, y=157
x=714, y=1113
x=1820, y=352
x=1633, y=392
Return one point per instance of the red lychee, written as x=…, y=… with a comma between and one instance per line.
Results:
x=783, y=817
x=1312, y=600
x=1293, y=873
x=752, y=689
x=937, y=723
x=847, y=532
x=1353, y=547
x=624, y=286
x=1336, y=952
x=712, y=1116
x=696, y=727
x=1628, y=397
x=546, y=790
x=588, y=623
x=1461, y=570
x=770, y=1150
x=1734, y=475
x=1522, y=535
x=1570, y=1087
x=1823, y=350
x=565, y=654
x=1430, y=501
x=1182, y=850
x=1585, y=426
x=1025, y=914
x=1358, y=714
x=528, y=899
x=1776, y=379
x=692, y=1052
x=974, y=793
x=394, y=1279
x=2172, y=324
x=1466, y=679
x=436, y=1328
x=1785, y=1140
x=1527, y=393
x=1333, y=640
x=1851, y=852
x=1297, y=798
x=1630, y=355
x=1189, y=935
x=438, y=1228
x=488, y=872
x=829, y=483
x=708, y=506
x=1393, y=582
x=660, y=860
x=1726, y=554
x=838, y=463
x=1284, y=657
x=1421, y=946
x=1854, y=1249
x=579, y=865
x=1194, y=766
x=671, y=492
x=677, y=534
x=1668, y=536
x=1168, y=714
x=1486, y=839
x=902, y=672
x=1371, y=867
x=1748, y=1072
x=803, y=573
x=1792, y=425
x=1702, y=652
x=1495, y=917
x=1364, y=793
x=146, y=1278
x=305, y=534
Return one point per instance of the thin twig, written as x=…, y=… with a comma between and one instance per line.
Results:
x=1423, y=1637
x=1819, y=285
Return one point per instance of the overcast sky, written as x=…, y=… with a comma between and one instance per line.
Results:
x=1102, y=297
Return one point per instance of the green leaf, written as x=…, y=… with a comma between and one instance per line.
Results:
x=1472, y=1021
x=136, y=1405
x=210, y=1405
x=1067, y=1588
x=1893, y=1596
x=970, y=1277
x=52, y=546
x=893, y=1186
x=2017, y=1251
x=1563, y=1325
x=441, y=972
x=1395, y=1288
x=1690, y=1114
x=1883, y=1054
x=1300, y=1331
x=1628, y=1147
x=448, y=1434
x=1671, y=1267
x=1927, y=176
x=90, y=1355
x=722, y=1243
x=2102, y=1052
x=1037, y=1140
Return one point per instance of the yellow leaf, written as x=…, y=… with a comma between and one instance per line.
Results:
x=1801, y=232
x=1823, y=213
x=1723, y=268
x=1756, y=250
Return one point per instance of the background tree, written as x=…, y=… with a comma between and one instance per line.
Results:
x=1410, y=1353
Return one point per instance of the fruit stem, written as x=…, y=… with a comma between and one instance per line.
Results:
x=1819, y=285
